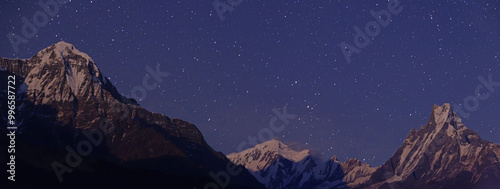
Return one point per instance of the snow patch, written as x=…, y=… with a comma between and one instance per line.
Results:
x=63, y=48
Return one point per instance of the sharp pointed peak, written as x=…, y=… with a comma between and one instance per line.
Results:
x=443, y=121
x=446, y=107
x=445, y=114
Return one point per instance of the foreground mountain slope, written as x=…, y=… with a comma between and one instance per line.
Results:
x=274, y=164
x=61, y=95
x=442, y=154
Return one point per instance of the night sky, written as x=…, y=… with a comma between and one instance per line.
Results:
x=226, y=76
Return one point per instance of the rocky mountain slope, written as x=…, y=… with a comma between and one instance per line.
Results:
x=62, y=97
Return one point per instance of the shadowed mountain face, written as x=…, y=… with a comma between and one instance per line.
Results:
x=441, y=154
x=75, y=129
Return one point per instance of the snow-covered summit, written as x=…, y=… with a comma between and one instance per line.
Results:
x=276, y=165
x=61, y=64
x=263, y=155
x=277, y=148
x=62, y=73
x=61, y=49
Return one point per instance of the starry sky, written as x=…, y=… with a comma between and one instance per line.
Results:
x=227, y=75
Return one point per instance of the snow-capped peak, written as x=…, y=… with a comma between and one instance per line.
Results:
x=265, y=154
x=279, y=148
x=283, y=150
x=61, y=49
x=276, y=165
x=441, y=117
x=62, y=46
x=62, y=72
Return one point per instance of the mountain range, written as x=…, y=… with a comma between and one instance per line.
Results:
x=441, y=154
x=75, y=130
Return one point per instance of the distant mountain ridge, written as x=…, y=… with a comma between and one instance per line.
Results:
x=274, y=164
x=442, y=154
x=65, y=96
